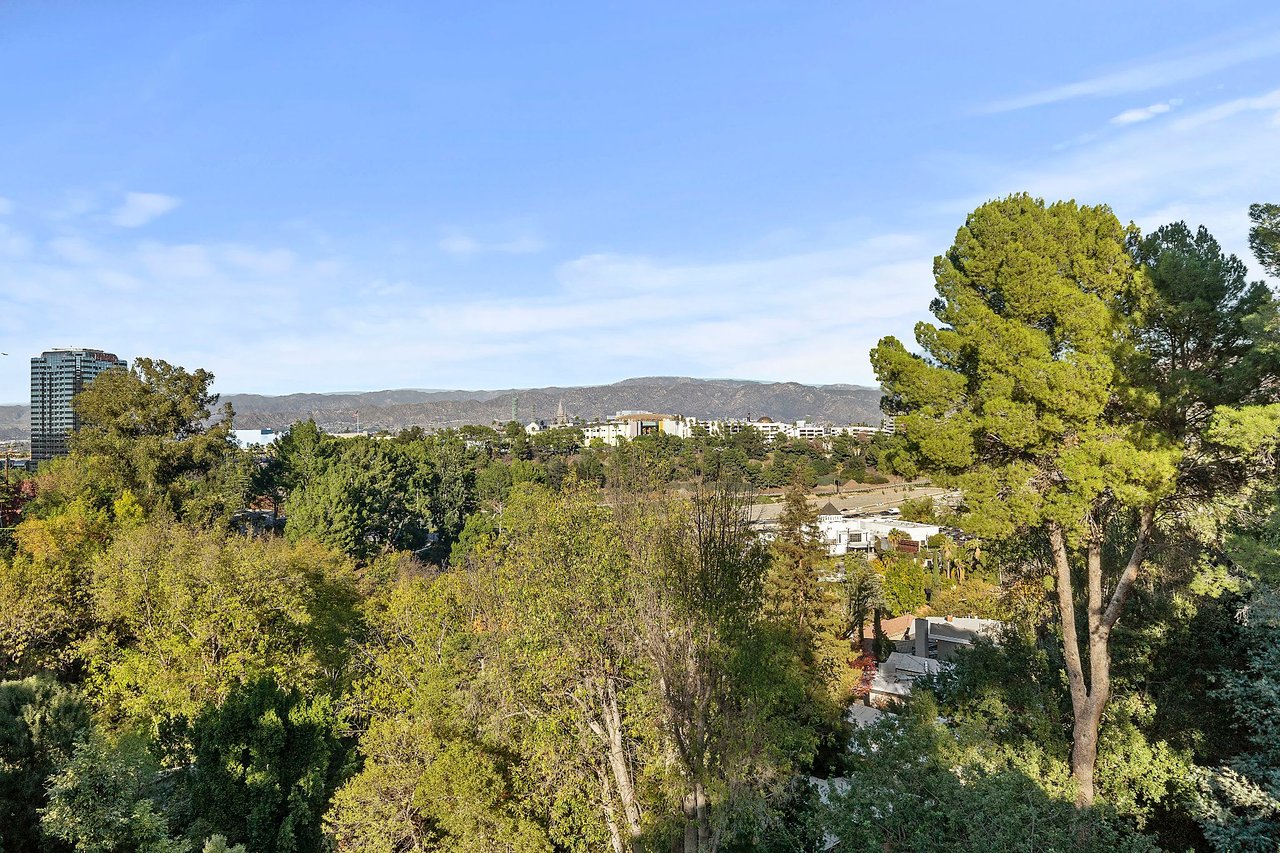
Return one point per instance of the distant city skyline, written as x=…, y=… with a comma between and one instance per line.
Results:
x=317, y=199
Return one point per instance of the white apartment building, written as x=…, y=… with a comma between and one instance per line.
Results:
x=630, y=424
x=609, y=432
x=798, y=429
x=765, y=426
x=859, y=430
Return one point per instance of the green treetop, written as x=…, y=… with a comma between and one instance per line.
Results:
x=794, y=585
x=155, y=423
x=1264, y=236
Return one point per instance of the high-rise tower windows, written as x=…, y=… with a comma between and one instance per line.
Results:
x=56, y=377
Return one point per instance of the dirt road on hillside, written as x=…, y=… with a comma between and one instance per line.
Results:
x=864, y=498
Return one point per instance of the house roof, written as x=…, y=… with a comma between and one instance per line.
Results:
x=863, y=715
x=829, y=509
x=890, y=687
x=958, y=629
x=910, y=666
x=897, y=628
x=895, y=676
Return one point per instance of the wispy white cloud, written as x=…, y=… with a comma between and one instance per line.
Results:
x=74, y=205
x=1205, y=167
x=457, y=243
x=809, y=316
x=76, y=249
x=1261, y=103
x=140, y=208
x=1140, y=114
x=1148, y=75
x=122, y=282
x=803, y=315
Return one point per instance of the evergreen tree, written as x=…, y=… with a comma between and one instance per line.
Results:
x=40, y=723
x=795, y=588
x=1049, y=398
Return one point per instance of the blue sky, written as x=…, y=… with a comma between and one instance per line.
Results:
x=318, y=197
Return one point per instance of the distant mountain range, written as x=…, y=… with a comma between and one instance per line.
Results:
x=397, y=409
x=15, y=423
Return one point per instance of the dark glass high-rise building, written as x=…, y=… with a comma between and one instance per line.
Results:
x=56, y=377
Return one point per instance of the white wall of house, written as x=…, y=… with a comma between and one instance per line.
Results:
x=846, y=535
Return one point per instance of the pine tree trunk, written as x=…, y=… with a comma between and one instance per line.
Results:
x=1089, y=698
x=1084, y=749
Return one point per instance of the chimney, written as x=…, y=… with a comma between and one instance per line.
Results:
x=922, y=637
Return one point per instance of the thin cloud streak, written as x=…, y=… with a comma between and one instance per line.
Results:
x=1141, y=114
x=1265, y=103
x=140, y=208
x=1210, y=165
x=1150, y=75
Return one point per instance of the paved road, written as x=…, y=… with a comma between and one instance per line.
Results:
x=866, y=498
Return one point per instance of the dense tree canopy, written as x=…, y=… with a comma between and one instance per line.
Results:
x=40, y=723
x=367, y=499
x=186, y=616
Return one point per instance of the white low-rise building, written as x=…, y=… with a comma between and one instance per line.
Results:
x=880, y=526
x=772, y=429
x=857, y=430
x=804, y=429
x=843, y=535
x=632, y=424
x=609, y=432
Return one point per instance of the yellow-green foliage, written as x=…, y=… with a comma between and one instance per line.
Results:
x=185, y=615
x=44, y=596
